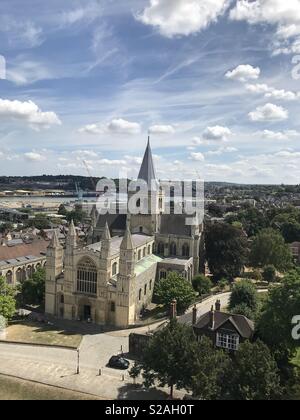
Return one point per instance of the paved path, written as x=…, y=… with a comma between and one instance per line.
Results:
x=58, y=366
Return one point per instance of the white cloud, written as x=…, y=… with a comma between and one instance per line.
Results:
x=28, y=112
x=278, y=135
x=221, y=151
x=216, y=133
x=198, y=157
x=116, y=126
x=281, y=94
x=269, y=112
x=162, y=129
x=272, y=93
x=121, y=126
x=34, y=157
x=284, y=14
x=91, y=129
x=182, y=17
x=243, y=73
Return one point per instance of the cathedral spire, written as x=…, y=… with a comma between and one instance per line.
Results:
x=106, y=233
x=72, y=236
x=54, y=243
x=147, y=171
x=127, y=243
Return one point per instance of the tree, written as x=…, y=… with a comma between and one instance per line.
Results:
x=175, y=344
x=33, y=289
x=269, y=248
x=202, y=284
x=7, y=300
x=244, y=293
x=6, y=227
x=243, y=309
x=226, y=250
x=209, y=368
x=62, y=210
x=274, y=325
x=76, y=215
x=222, y=284
x=254, y=374
x=269, y=273
x=174, y=287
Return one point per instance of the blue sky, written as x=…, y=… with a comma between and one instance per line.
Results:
x=212, y=80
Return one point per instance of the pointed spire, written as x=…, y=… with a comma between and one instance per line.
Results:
x=94, y=216
x=54, y=241
x=147, y=171
x=106, y=233
x=72, y=235
x=127, y=243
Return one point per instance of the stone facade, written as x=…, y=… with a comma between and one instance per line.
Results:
x=111, y=280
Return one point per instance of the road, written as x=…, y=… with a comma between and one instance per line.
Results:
x=58, y=366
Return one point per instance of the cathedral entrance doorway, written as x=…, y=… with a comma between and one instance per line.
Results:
x=87, y=313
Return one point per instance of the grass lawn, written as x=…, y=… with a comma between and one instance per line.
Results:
x=31, y=332
x=17, y=389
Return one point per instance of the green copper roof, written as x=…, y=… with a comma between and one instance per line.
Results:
x=146, y=263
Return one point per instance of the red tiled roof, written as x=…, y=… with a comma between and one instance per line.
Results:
x=36, y=248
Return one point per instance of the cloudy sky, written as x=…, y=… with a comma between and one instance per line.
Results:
x=215, y=82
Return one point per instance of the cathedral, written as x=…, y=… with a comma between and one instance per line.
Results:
x=110, y=280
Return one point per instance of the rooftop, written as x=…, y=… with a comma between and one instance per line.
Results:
x=138, y=241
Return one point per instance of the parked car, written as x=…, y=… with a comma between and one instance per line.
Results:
x=118, y=362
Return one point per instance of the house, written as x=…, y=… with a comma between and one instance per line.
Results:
x=227, y=331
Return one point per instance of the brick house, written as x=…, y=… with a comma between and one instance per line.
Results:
x=227, y=331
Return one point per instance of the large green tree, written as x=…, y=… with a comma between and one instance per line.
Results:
x=209, y=369
x=168, y=358
x=226, y=250
x=274, y=326
x=244, y=293
x=202, y=284
x=33, y=289
x=174, y=287
x=269, y=248
x=7, y=300
x=254, y=374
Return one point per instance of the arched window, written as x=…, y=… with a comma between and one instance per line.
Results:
x=62, y=299
x=185, y=250
x=149, y=249
x=9, y=277
x=87, y=277
x=150, y=285
x=145, y=289
x=140, y=294
x=161, y=248
x=139, y=255
x=144, y=252
x=114, y=268
x=173, y=249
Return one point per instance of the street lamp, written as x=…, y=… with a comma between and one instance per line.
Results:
x=78, y=362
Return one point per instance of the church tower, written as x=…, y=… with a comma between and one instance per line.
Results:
x=54, y=268
x=126, y=284
x=153, y=200
x=70, y=268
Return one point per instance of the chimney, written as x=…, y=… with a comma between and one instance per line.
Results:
x=218, y=305
x=212, y=318
x=173, y=311
x=194, y=315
